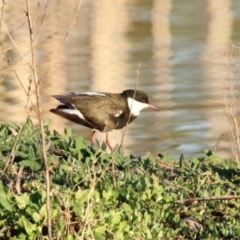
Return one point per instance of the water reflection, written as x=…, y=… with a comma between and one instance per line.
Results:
x=218, y=38
x=179, y=47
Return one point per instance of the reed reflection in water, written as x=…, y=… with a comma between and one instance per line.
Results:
x=179, y=47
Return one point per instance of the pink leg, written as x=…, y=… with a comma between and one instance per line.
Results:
x=108, y=142
x=92, y=137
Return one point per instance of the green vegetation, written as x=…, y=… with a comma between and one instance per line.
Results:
x=100, y=195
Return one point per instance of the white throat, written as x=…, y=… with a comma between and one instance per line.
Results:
x=135, y=106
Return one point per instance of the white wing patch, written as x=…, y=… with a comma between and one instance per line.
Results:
x=93, y=93
x=135, y=106
x=118, y=114
x=87, y=93
x=74, y=112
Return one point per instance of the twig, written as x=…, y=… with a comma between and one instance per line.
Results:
x=18, y=78
x=34, y=36
x=125, y=128
x=1, y=17
x=225, y=197
x=64, y=39
x=135, y=89
x=215, y=147
x=42, y=20
x=12, y=154
x=4, y=229
x=14, y=43
x=43, y=145
x=18, y=182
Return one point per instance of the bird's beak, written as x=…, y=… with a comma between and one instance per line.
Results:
x=153, y=107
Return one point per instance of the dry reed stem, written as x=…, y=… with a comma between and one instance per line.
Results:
x=12, y=66
x=94, y=181
x=135, y=89
x=231, y=103
x=39, y=114
x=125, y=128
x=216, y=145
x=37, y=82
x=64, y=39
x=225, y=197
x=90, y=197
x=34, y=78
x=15, y=45
x=1, y=22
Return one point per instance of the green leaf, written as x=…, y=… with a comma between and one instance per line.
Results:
x=170, y=198
x=101, y=229
x=205, y=193
x=79, y=143
x=3, y=223
x=14, y=126
x=27, y=128
x=70, y=237
x=68, y=134
x=22, y=200
x=5, y=203
x=46, y=123
x=65, y=167
x=208, y=152
x=126, y=207
x=36, y=217
x=82, y=195
x=78, y=194
x=182, y=161
x=3, y=190
x=32, y=164
x=31, y=153
x=147, y=218
x=99, y=236
x=55, y=213
x=43, y=210
x=123, y=226
x=119, y=235
x=116, y=218
x=27, y=225
x=96, y=196
x=21, y=154
x=218, y=191
x=237, y=230
x=195, y=163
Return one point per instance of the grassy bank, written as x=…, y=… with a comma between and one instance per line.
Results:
x=100, y=195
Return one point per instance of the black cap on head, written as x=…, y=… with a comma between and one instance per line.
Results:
x=136, y=94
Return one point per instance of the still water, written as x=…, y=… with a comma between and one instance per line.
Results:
x=178, y=47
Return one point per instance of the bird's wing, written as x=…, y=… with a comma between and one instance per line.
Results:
x=103, y=112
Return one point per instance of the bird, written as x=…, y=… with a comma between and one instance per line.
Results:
x=102, y=111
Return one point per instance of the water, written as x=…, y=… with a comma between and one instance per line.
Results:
x=177, y=47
